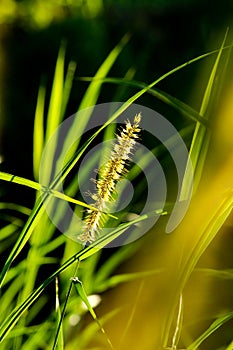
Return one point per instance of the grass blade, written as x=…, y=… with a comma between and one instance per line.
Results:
x=60, y=340
x=36, y=186
x=38, y=134
x=213, y=223
x=91, y=96
x=201, y=137
x=213, y=327
x=67, y=86
x=55, y=105
x=175, y=103
x=81, y=292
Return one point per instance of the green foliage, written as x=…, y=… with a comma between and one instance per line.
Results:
x=24, y=291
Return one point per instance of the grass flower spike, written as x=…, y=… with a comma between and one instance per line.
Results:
x=108, y=176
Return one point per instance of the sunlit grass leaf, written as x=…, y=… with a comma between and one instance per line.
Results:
x=35, y=185
x=230, y=346
x=55, y=107
x=204, y=237
x=68, y=83
x=201, y=137
x=34, y=218
x=81, y=292
x=38, y=134
x=9, y=229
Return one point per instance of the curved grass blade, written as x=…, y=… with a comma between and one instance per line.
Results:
x=113, y=281
x=81, y=292
x=207, y=234
x=13, y=206
x=31, y=223
x=213, y=327
x=201, y=137
x=9, y=229
x=197, y=154
x=182, y=107
x=226, y=274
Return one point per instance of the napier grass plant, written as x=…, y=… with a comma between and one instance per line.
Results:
x=51, y=285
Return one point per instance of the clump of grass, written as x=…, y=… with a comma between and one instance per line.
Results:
x=22, y=298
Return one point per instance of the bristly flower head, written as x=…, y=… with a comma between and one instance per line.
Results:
x=108, y=176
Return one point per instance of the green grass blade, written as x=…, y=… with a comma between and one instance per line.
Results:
x=34, y=218
x=17, y=207
x=179, y=321
x=55, y=105
x=226, y=274
x=36, y=186
x=209, y=88
x=60, y=340
x=213, y=327
x=9, y=229
x=54, y=116
x=201, y=137
x=38, y=134
x=91, y=96
x=230, y=346
x=81, y=292
x=93, y=89
x=67, y=86
x=110, y=265
x=172, y=101
x=102, y=241
x=202, y=241
x=89, y=333
x=116, y=280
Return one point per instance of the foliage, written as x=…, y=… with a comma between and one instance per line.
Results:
x=41, y=265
